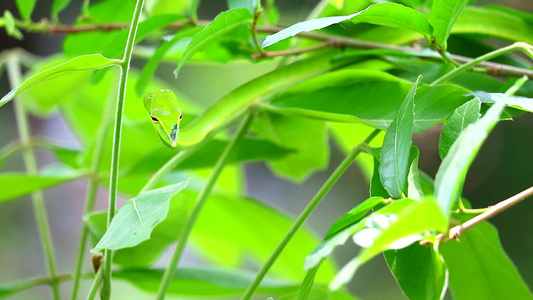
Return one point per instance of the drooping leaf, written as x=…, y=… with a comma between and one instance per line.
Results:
x=80, y=63
x=388, y=14
x=26, y=8
x=15, y=185
x=307, y=137
x=394, y=154
x=137, y=217
x=369, y=96
x=442, y=17
x=452, y=171
x=521, y=103
x=419, y=270
x=470, y=274
x=392, y=231
x=223, y=23
x=463, y=116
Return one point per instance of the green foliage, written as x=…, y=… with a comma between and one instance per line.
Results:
x=357, y=76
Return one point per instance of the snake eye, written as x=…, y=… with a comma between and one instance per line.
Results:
x=154, y=119
x=181, y=117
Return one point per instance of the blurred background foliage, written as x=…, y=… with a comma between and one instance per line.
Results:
x=501, y=169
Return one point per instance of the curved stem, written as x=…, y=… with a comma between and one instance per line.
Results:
x=202, y=197
x=91, y=196
x=305, y=213
x=14, y=73
x=96, y=283
x=526, y=48
x=113, y=178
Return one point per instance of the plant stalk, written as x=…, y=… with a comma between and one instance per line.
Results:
x=113, y=178
x=305, y=213
x=202, y=197
x=23, y=126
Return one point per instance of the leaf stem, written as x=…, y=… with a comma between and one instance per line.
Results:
x=305, y=213
x=90, y=198
x=519, y=46
x=456, y=231
x=113, y=180
x=14, y=73
x=202, y=197
x=95, y=284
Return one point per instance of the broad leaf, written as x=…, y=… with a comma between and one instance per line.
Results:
x=419, y=270
x=307, y=137
x=15, y=185
x=521, y=103
x=392, y=230
x=223, y=23
x=137, y=217
x=471, y=277
x=394, y=154
x=80, y=63
x=463, y=116
x=452, y=171
x=389, y=14
x=26, y=8
x=443, y=15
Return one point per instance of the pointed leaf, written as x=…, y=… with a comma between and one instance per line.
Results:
x=394, y=154
x=354, y=216
x=419, y=270
x=442, y=17
x=80, y=63
x=471, y=277
x=452, y=171
x=26, y=8
x=16, y=185
x=308, y=282
x=137, y=217
x=463, y=116
x=521, y=103
x=58, y=6
x=388, y=14
x=223, y=23
x=401, y=228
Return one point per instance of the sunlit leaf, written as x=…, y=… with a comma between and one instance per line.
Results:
x=521, y=103
x=137, y=217
x=15, y=185
x=394, y=154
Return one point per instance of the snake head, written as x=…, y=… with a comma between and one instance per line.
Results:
x=164, y=110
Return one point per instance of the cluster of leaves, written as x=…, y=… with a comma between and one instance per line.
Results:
x=344, y=93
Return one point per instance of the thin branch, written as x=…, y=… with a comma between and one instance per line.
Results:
x=456, y=231
x=292, y=51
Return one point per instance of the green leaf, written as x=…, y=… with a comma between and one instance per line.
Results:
x=479, y=267
x=414, y=186
x=452, y=171
x=494, y=22
x=233, y=104
x=307, y=137
x=419, y=270
x=376, y=187
x=250, y=149
x=26, y=8
x=308, y=282
x=369, y=96
x=11, y=27
x=388, y=14
x=394, y=154
x=150, y=66
x=392, y=230
x=137, y=217
x=456, y=123
x=223, y=23
x=80, y=63
x=250, y=5
x=521, y=103
x=354, y=216
x=58, y=6
x=16, y=185
x=442, y=17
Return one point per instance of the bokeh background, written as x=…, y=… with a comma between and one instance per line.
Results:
x=503, y=168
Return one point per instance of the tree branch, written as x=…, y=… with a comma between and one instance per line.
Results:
x=456, y=231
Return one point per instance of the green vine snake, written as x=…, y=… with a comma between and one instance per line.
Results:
x=163, y=107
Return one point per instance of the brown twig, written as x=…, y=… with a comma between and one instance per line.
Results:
x=291, y=51
x=456, y=231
